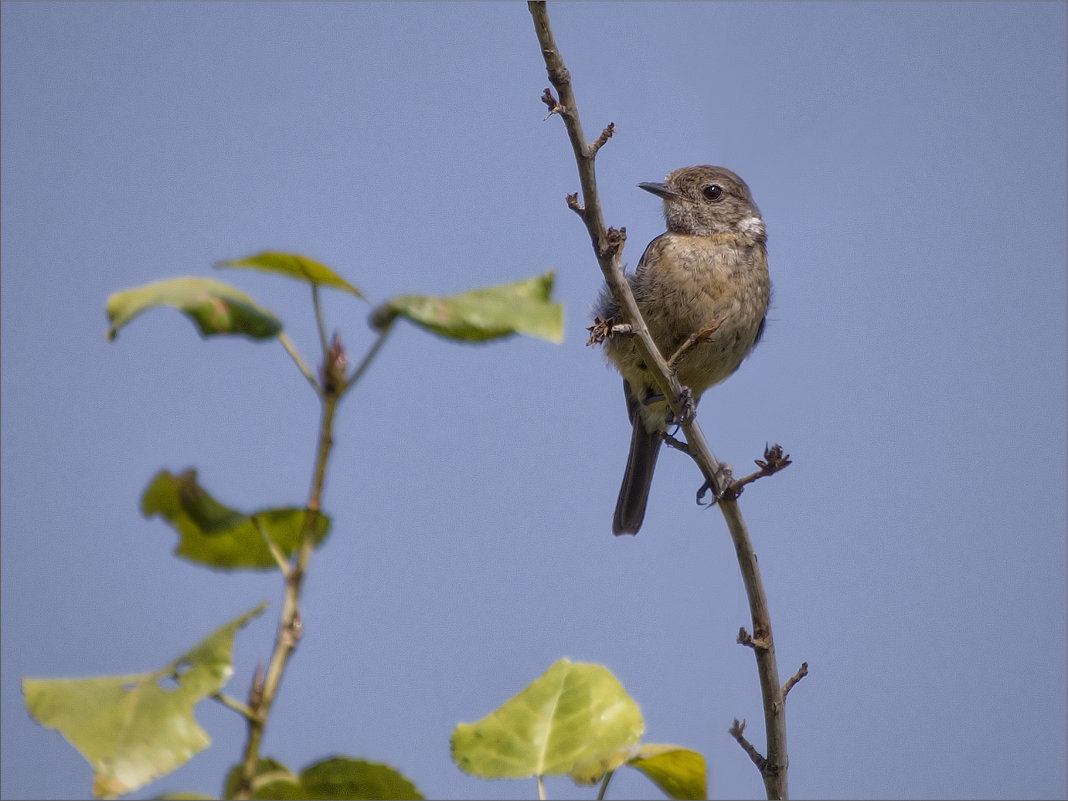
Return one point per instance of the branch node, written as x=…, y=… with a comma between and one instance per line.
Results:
x=794, y=679
x=552, y=103
x=255, y=691
x=612, y=242
x=760, y=642
x=575, y=206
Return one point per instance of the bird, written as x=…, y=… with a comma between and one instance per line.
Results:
x=707, y=275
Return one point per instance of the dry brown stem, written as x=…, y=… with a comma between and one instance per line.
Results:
x=607, y=245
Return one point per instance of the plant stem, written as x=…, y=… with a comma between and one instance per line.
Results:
x=289, y=624
x=357, y=374
x=294, y=354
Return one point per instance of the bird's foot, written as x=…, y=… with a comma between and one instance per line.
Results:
x=689, y=407
x=719, y=486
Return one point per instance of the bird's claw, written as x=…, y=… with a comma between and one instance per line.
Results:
x=689, y=407
x=720, y=487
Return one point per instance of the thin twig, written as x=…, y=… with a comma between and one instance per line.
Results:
x=291, y=349
x=357, y=374
x=604, y=785
x=607, y=244
x=774, y=461
x=695, y=338
x=235, y=705
x=794, y=679
x=736, y=731
x=319, y=324
x=276, y=552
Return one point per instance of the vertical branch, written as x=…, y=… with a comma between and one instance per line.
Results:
x=607, y=245
x=265, y=686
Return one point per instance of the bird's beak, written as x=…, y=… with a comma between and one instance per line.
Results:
x=663, y=190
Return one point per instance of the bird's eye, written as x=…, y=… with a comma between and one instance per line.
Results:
x=712, y=192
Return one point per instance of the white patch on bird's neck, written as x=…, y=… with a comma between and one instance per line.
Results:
x=753, y=226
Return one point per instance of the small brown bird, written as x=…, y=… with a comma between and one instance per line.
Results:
x=710, y=268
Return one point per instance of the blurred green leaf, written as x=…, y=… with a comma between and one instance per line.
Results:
x=295, y=266
x=333, y=778
x=134, y=729
x=214, y=535
x=482, y=314
x=271, y=775
x=215, y=307
x=571, y=713
x=679, y=772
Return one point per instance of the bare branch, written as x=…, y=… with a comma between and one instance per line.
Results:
x=774, y=461
x=608, y=245
x=606, y=134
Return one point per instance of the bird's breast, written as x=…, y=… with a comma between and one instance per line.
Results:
x=718, y=284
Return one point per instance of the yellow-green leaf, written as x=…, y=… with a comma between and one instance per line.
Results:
x=271, y=777
x=295, y=266
x=524, y=307
x=569, y=714
x=133, y=729
x=679, y=772
x=592, y=769
x=214, y=307
x=212, y=534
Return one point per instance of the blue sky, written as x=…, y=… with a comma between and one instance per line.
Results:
x=910, y=163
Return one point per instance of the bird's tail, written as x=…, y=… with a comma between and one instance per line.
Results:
x=630, y=506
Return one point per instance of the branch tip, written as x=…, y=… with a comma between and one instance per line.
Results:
x=606, y=134
x=737, y=731
x=605, y=329
x=794, y=679
x=774, y=460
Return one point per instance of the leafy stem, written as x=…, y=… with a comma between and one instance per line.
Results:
x=290, y=626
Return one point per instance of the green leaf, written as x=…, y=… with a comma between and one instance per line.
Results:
x=679, y=772
x=572, y=712
x=482, y=314
x=215, y=307
x=214, y=535
x=295, y=266
x=134, y=729
x=334, y=778
x=271, y=776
